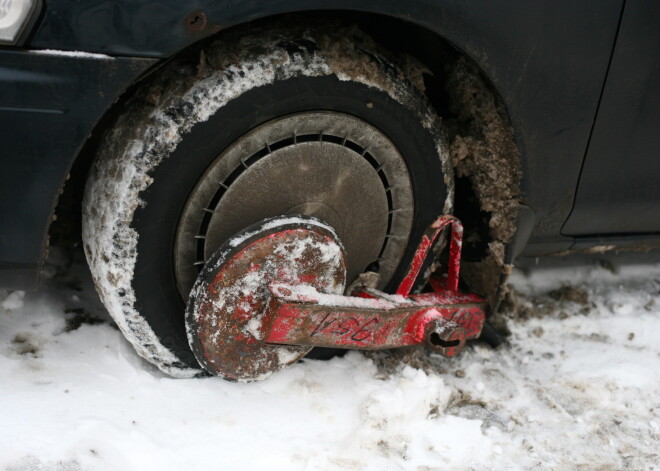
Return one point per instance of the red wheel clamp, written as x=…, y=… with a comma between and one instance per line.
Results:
x=275, y=292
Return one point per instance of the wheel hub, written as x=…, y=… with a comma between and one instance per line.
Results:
x=329, y=165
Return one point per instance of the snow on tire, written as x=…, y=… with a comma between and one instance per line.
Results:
x=173, y=106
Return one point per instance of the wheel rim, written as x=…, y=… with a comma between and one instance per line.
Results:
x=329, y=165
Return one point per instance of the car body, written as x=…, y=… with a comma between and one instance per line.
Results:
x=579, y=80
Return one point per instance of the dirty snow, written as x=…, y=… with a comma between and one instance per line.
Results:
x=578, y=387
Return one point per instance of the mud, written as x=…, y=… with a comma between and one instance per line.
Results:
x=558, y=302
x=341, y=51
x=25, y=344
x=483, y=149
x=570, y=294
x=77, y=317
x=463, y=403
x=390, y=362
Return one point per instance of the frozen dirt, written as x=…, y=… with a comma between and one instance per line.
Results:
x=577, y=387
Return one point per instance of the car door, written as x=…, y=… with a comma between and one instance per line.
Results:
x=618, y=191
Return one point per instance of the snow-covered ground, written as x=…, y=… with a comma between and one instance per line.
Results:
x=577, y=387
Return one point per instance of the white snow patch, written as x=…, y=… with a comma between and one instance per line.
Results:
x=253, y=327
x=308, y=294
x=13, y=301
x=77, y=54
x=298, y=221
x=287, y=355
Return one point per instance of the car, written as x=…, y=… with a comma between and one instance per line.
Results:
x=162, y=128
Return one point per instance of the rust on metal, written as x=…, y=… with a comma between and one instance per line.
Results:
x=230, y=297
x=196, y=21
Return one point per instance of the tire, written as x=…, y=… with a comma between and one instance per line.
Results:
x=297, y=94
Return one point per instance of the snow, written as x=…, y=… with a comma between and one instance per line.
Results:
x=284, y=221
x=309, y=294
x=576, y=388
x=14, y=301
x=76, y=54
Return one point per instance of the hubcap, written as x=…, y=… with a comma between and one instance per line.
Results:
x=329, y=165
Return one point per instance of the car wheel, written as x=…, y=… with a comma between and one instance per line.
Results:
x=322, y=124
